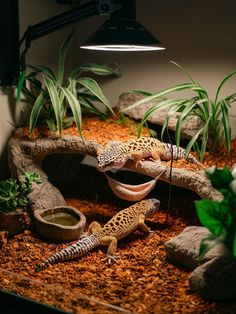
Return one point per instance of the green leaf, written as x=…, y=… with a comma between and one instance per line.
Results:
x=222, y=84
x=62, y=56
x=204, y=138
x=183, y=70
x=177, y=88
x=27, y=93
x=93, y=87
x=87, y=106
x=33, y=177
x=35, y=84
x=230, y=98
x=220, y=178
x=20, y=85
x=51, y=125
x=164, y=104
x=86, y=95
x=75, y=107
x=55, y=100
x=192, y=141
x=208, y=243
x=94, y=68
x=214, y=215
x=173, y=109
x=188, y=106
x=140, y=91
x=38, y=105
x=225, y=121
x=196, y=149
x=41, y=69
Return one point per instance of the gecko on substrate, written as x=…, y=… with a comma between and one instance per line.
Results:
x=118, y=227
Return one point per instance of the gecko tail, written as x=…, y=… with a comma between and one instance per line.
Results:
x=73, y=251
x=179, y=153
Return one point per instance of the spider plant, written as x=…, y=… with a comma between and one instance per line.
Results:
x=58, y=101
x=213, y=113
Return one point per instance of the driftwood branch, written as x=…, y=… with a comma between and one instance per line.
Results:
x=192, y=180
x=27, y=156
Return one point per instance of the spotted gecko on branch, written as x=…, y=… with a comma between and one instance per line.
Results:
x=115, y=156
x=118, y=227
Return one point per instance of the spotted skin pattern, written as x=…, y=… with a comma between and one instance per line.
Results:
x=115, y=156
x=118, y=227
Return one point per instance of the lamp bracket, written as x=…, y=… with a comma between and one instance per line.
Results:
x=115, y=8
x=108, y=6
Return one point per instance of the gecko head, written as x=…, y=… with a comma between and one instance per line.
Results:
x=152, y=206
x=110, y=159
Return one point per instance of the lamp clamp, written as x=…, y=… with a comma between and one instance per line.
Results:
x=107, y=7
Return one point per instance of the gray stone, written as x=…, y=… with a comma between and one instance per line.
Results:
x=189, y=127
x=183, y=250
x=216, y=279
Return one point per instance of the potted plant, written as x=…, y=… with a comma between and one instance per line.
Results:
x=58, y=101
x=213, y=113
x=13, y=202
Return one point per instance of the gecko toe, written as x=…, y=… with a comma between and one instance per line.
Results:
x=112, y=258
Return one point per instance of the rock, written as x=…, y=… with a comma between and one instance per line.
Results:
x=183, y=249
x=189, y=127
x=216, y=279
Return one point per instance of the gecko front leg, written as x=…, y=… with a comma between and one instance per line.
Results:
x=142, y=225
x=111, y=241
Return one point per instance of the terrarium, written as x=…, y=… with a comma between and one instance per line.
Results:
x=135, y=208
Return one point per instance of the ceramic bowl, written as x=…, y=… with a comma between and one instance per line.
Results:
x=59, y=224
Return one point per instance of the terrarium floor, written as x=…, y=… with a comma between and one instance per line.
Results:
x=143, y=281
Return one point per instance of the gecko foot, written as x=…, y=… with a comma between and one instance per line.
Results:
x=111, y=258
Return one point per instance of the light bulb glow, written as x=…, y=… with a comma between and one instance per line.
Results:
x=123, y=47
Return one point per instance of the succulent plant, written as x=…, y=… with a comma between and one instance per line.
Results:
x=13, y=194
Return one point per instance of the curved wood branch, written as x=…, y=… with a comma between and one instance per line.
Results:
x=27, y=156
x=192, y=180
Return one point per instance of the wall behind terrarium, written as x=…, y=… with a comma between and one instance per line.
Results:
x=43, y=51
x=200, y=35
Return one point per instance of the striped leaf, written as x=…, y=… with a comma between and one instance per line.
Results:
x=75, y=107
x=225, y=121
x=222, y=84
x=37, y=69
x=177, y=88
x=94, y=88
x=38, y=105
x=55, y=100
x=62, y=56
x=103, y=70
x=20, y=85
x=193, y=140
x=165, y=104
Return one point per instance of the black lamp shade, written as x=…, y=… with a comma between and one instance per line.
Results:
x=122, y=35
